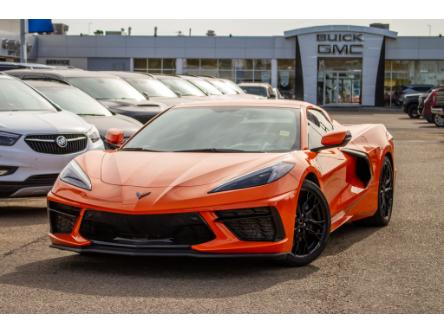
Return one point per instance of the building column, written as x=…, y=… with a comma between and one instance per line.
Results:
x=179, y=65
x=131, y=65
x=274, y=73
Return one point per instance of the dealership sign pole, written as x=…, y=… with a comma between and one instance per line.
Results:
x=23, y=46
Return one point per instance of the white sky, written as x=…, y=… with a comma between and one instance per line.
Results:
x=411, y=27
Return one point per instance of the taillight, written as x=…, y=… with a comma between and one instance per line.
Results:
x=434, y=99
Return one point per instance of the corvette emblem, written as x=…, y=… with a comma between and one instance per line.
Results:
x=142, y=195
x=61, y=141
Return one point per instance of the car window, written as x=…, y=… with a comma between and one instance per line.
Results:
x=17, y=96
x=74, y=100
x=205, y=86
x=255, y=90
x=152, y=87
x=106, y=88
x=182, y=87
x=244, y=129
x=318, y=126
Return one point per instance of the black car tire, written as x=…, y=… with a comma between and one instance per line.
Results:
x=439, y=120
x=412, y=111
x=385, y=196
x=430, y=118
x=312, y=226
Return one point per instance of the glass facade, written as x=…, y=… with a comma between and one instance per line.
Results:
x=238, y=70
x=155, y=65
x=399, y=73
x=286, y=77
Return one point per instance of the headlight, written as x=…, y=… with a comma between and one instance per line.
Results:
x=8, y=139
x=93, y=134
x=74, y=175
x=257, y=178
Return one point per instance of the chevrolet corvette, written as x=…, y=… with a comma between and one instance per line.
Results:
x=256, y=178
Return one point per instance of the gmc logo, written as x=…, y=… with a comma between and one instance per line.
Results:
x=340, y=44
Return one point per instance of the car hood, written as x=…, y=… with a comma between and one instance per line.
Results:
x=103, y=123
x=151, y=169
x=47, y=122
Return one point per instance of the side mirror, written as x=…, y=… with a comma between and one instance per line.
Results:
x=114, y=137
x=334, y=139
x=145, y=94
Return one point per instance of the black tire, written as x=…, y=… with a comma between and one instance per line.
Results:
x=430, y=118
x=312, y=226
x=439, y=121
x=385, y=196
x=412, y=111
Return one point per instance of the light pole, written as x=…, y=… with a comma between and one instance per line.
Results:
x=23, y=46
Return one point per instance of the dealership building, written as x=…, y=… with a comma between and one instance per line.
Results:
x=331, y=64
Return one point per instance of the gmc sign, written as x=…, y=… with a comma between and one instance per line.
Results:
x=340, y=43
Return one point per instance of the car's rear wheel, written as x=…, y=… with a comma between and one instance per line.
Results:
x=412, y=111
x=312, y=226
x=439, y=120
x=385, y=195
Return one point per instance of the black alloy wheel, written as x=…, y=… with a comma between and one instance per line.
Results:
x=385, y=196
x=312, y=226
x=412, y=111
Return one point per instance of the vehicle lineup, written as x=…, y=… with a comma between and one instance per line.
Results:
x=226, y=178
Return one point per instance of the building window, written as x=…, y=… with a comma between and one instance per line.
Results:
x=238, y=70
x=286, y=77
x=399, y=73
x=155, y=65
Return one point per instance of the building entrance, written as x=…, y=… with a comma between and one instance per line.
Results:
x=339, y=81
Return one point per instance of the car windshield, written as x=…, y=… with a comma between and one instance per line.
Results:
x=74, y=100
x=221, y=129
x=223, y=87
x=234, y=86
x=152, y=87
x=255, y=90
x=17, y=96
x=106, y=88
x=182, y=87
x=205, y=86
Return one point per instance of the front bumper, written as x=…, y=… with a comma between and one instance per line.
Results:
x=33, y=173
x=224, y=243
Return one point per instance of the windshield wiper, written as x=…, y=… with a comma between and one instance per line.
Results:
x=142, y=149
x=210, y=150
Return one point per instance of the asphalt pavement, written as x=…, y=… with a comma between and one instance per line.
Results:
x=396, y=269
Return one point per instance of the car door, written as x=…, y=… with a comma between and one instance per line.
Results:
x=331, y=162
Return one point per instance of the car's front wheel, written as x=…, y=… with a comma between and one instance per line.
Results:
x=312, y=226
x=412, y=111
x=439, y=120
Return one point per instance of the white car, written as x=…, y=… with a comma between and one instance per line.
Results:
x=37, y=140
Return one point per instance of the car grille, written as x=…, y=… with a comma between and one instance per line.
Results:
x=62, y=217
x=145, y=230
x=47, y=144
x=253, y=224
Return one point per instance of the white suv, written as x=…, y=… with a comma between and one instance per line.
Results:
x=37, y=140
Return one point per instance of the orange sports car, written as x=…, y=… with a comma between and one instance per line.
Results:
x=223, y=179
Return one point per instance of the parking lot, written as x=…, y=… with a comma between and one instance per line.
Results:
x=397, y=269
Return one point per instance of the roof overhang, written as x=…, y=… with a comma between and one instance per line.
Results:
x=340, y=28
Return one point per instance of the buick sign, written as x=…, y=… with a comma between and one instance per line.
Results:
x=61, y=141
x=340, y=43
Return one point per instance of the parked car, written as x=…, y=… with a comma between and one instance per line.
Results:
x=410, y=89
x=113, y=92
x=152, y=88
x=260, y=89
x=37, y=139
x=411, y=102
x=6, y=66
x=438, y=106
x=425, y=106
x=230, y=89
x=182, y=87
x=203, y=85
x=200, y=181
x=72, y=99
